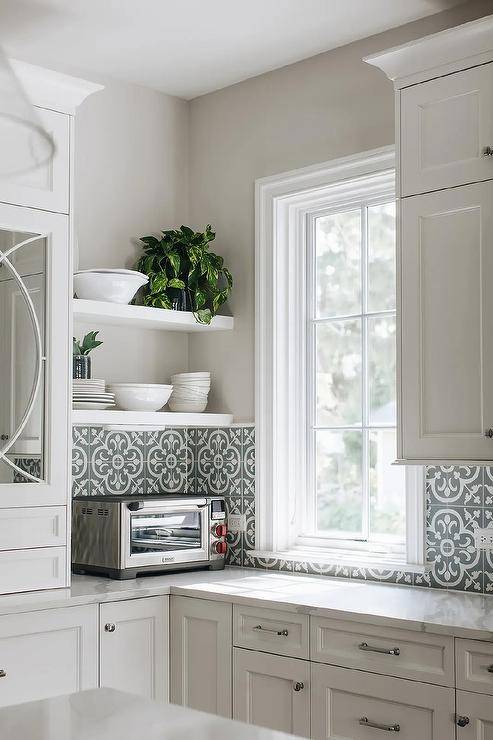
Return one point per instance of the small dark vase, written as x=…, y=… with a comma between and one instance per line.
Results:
x=81, y=367
x=181, y=300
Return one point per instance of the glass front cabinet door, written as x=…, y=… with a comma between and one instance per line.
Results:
x=34, y=357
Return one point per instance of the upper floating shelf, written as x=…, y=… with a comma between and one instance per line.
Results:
x=146, y=318
x=155, y=419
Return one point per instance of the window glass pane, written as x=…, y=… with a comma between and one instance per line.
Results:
x=339, y=373
x=381, y=370
x=338, y=264
x=387, y=488
x=339, y=482
x=381, y=257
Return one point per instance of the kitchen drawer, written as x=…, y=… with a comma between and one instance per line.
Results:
x=48, y=653
x=474, y=665
x=36, y=568
x=39, y=526
x=272, y=631
x=354, y=705
x=394, y=652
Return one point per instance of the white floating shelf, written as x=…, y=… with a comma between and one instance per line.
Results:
x=149, y=418
x=145, y=318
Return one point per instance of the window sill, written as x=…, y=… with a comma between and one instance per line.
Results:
x=342, y=558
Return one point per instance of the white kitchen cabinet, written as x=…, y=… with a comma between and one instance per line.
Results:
x=474, y=665
x=48, y=186
x=447, y=127
x=444, y=139
x=134, y=646
x=447, y=325
x=201, y=646
x=272, y=691
x=47, y=653
x=474, y=718
x=271, y=630
x=355, y=705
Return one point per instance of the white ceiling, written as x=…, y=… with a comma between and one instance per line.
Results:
x=191, y=47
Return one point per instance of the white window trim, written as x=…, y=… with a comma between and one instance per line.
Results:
x=281, y=204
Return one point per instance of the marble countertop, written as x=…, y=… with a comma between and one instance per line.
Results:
x=421, y=609
x=106, y=714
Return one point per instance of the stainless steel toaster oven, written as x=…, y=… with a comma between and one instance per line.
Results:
x=125, y=536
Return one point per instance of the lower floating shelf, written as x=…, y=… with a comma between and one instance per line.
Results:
x=149, y=419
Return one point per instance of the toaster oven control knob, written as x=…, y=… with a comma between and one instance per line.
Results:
x=221, y=548
x=221, y=530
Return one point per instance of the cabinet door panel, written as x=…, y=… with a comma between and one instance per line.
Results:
x=347, y=704
x=134, y=646
x=477, y=711
x=446, y=347
x=201, y=654
x=48, y=653
x=46, y=187
x=474, y=665
x=265, y=691
x=446, y=125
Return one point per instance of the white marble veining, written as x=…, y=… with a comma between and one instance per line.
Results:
x=454, y=613
x=106, y=714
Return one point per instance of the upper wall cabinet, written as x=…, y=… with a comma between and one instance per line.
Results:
x=447, y=131
x=444, y=104
x=48, y=186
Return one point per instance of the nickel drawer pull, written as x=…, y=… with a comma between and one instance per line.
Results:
x=281, y=633
x=373, y=649
x=2, y=673
x=379, y=726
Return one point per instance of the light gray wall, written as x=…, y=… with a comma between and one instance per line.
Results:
x=131, y=179
x=325, y=107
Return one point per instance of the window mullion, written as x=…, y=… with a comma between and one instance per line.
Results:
x=364, y=374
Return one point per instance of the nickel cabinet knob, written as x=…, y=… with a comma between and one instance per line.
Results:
x=109, y=627
x=4, y=437
x=462, y=721
x=488, y=151
x=298, y=686
x=489, y=433
x=2, y=673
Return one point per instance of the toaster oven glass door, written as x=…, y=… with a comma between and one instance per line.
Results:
x=167, y=534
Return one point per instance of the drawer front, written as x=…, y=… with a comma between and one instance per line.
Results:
x=394, y=652
x=474, y=665
x=27, y=570
x=354, y=705
x=40, y=526
x=447, y=124
x=48, y=186
x=272, y=631
x=48, y=653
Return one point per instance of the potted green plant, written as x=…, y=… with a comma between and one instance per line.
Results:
x=82, y=359
x=184, y=274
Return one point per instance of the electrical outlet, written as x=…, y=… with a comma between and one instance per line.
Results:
x=483, y=538
x=237, y=522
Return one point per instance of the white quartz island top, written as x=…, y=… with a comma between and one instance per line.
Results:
x=421, y=609
x=106, y=714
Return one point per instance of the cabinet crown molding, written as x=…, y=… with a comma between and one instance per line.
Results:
x=441, y=53
x=46, y=88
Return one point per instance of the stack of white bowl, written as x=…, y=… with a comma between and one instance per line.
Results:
x=190, y=392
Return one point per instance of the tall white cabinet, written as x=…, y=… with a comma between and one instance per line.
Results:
x=444, y=104
x=35, y=347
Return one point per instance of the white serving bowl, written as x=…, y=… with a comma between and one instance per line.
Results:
x=187, y=407
x=140, y=396
x=113, y=287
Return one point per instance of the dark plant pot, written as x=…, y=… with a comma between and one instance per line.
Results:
x=181, y=300
x=81, y=367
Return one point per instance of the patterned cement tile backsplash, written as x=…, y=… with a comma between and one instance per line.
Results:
x=222, y=461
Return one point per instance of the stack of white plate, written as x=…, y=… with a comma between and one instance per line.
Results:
x=190, y=392
x=91, y=394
